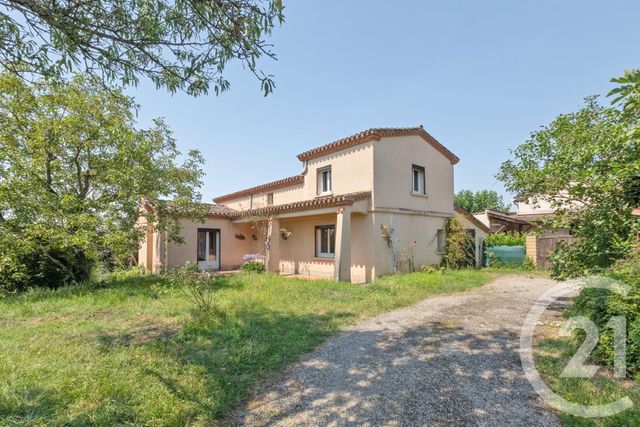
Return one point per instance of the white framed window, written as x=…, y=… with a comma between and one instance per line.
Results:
x=417, y=179
x=269, y=199
x=324, y=180
x=442, y=241
x=325, y=241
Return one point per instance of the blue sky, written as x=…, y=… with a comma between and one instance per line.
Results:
x=480, y=76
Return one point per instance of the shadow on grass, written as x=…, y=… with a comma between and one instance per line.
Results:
x=233, y=350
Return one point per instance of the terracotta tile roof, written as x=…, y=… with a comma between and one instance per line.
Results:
x=319, y=202
x=220, y=211
x=472, y=219
x=281, y=183
x=213, y=210
x=635, y=212
x=376, y=134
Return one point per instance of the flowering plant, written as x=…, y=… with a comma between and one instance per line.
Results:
x=252, y=258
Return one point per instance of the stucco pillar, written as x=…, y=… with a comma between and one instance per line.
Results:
x=273, y=240
x=342, y=266
x=161, y=255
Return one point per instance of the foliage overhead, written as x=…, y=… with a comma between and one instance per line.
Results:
x=587, y=164
x=180, y=45
x=480, y=200
x=627, y=92
x=74, y=170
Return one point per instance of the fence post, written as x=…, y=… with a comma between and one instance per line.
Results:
x=531, y=246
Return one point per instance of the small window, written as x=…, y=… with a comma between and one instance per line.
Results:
x=442, y=242
x=324, y=180
x=269, y=199
x=417, y=178
x=251, y=201
x=325, y=241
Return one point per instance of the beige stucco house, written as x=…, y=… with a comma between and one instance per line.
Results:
x=328, y=221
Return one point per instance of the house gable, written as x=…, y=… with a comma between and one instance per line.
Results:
x=371, y=161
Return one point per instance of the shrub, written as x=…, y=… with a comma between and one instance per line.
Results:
x=505, y=239
x=570, y=261
x=195, y=286
x=459, y=250
x=254, y=266
x=493, y=261
x=253, y=263
x=41, y=262
x=600, y=305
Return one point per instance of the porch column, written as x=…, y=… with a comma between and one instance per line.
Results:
x=342, y=265
x=273, y=242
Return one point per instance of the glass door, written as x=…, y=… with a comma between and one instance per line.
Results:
x=208, y=249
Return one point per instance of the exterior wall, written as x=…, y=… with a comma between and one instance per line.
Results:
x=145, y=252
x=152, y=249
x=231, y=248
x=351, y=171
x=297, y=253
x=393, y=158
x=362, y=252
x=281, y=196
x=480, y=236
x=541, y=207
x=407, y=229
x=483, y=218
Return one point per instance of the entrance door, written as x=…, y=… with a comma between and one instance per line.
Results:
x=208, y=249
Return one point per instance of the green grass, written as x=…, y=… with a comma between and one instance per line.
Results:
x=131, y=352
x=552, y=355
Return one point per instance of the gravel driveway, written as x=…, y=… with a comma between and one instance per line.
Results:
x=450, y=360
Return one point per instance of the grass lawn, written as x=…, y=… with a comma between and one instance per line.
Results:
x=552, y=355
x=130, y=352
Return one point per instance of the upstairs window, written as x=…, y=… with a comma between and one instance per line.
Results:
x=324, y=180
x=417, y=179
x=269, y=199
x=325, y=241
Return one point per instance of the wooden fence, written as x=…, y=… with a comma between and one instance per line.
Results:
x=538, y=248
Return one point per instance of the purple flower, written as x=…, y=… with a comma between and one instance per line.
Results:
x=252, y=258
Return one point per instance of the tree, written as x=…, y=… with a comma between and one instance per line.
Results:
x=588, y=164
x=74, y=171
x=179, y=45
x=480, y=200
x=627, y=93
